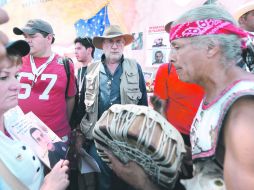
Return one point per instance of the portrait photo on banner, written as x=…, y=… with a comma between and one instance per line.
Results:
x=159, y=56
x=137, y=43
x=157, y=46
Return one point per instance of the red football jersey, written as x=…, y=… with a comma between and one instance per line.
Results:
x=46, y=97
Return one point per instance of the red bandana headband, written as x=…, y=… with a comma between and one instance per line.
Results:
x=205, y=27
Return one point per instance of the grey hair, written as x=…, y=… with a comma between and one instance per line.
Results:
x=230, y=45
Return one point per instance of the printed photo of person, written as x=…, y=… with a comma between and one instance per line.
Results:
x=158, y=42
x=158, y=57
x=137, y=43
x=55, y=150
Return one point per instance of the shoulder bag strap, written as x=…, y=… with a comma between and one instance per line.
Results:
x=67, y=70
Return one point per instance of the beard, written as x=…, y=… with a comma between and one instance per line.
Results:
x=115, y=57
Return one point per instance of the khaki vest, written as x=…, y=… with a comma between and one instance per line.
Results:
x=129, y=91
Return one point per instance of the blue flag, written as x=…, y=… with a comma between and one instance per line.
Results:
x=93, y=26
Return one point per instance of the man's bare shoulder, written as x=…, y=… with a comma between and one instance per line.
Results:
x=239, y=126
x=241, y=114
x=239, y=142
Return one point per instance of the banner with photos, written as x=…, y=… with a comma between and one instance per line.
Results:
x=157, y=46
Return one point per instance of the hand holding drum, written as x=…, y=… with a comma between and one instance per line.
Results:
x=140, y=134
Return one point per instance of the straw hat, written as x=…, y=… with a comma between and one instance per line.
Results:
x=111, y=32
x=243, y=9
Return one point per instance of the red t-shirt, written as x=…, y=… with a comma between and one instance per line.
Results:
x=46, y=98
x=183, y=98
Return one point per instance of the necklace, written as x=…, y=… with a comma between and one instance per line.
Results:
x=38, y=71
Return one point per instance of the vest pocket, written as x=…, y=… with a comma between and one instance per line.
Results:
x=90, y=83
x=90, y=94
x=87, y=126
x=133, y=95
x=90, y=101
x=132, y=77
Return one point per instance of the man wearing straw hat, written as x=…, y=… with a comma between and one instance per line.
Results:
x=245, y=17
x=113, y=80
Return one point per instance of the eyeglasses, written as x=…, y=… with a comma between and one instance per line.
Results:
x=111, y=42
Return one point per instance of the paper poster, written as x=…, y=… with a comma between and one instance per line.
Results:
x=149, y=80
x=49, y=148
x=148, y=76
x=157, y=46
x=137, y=43
x=41, y=139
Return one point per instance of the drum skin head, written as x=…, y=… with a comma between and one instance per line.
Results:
x=140, y=134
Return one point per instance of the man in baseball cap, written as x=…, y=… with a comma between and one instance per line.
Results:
x=44, y=80
x=35, y=26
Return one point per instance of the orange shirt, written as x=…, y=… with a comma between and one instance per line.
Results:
x=183, y=98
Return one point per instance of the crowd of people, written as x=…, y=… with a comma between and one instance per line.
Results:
x=203, y=92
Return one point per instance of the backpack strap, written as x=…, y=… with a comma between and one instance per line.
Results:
x=10, y=179
x=66, y=64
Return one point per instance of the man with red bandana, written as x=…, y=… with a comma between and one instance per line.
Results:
x=180, y=101
x=206, y=45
